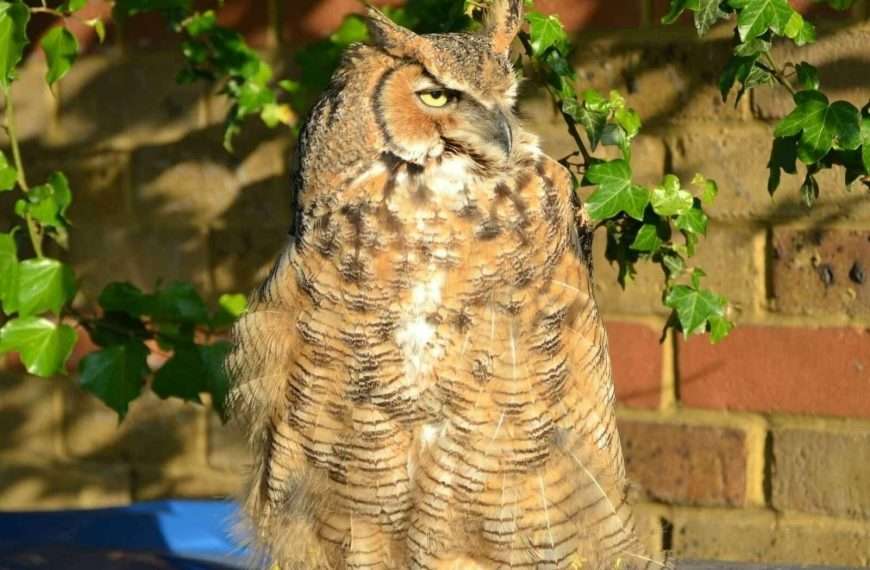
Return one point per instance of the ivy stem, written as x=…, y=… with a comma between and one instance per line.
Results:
x=778, y=73
x=9, y=126
x=569, y=120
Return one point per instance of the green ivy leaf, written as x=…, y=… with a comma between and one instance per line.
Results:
x=201, y=23
x=352, y=29
x=820, y=125
x=117, y=328
x=183, y=376
x=629, y=120
x=799, y=30
x=783, y=156
x=676, y=9
x=752, y=47
x=8, y=273
x=125, y=298
x=47, y=204
x=214, y=356
x=810, y=190
x=737, y=69
x=61, y=49
x=179, y=303
x=115, y=374
x=647, y=239
x=8, y=174
x=674, y=264
x=230, y=308
x=694, y=307
x=44, y=285
x=546, y=32
x=720, y=327
x=708, y=13
x=13, y=37
x=693, y=221
x=709, y=188
x=669, y=199
x=71, y=6
x=757, y=16
x=808, y=76
x=44, y=346
x=616, y=192
x=865, y=142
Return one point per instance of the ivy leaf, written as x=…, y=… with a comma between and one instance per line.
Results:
x=865, y=142
x=183, y=376
x=71, y=6
x=693, y=221
x=115, y=374
x=201, y=23
x=178, y=303
x=124, y=298
x=99, y=27
x=13, y=37
x=669, y=199
x=230, y=308
x=737, y=69
x=647, y=239
x=820, y=125
x=593, y=122
x=616, y=192
x=674, y=264
x=799, y=30
x=61, y=49
x=810, y=190
x=752, y=47
x=44, y=285
x=808, y=76
x=709, y=188
x=44, y=346
x=8, y=174
x=214, y=356
x=694, y=307
x=274, y=114
x=783, y=156
x=117, y=328
x=8, y=273
x=546, y=32
x=708, y=13
x=757, y=16
x=629, y=120
x=676, y=9
x=47, y=204
x=720, y=327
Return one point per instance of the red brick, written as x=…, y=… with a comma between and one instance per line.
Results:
x=687, y=465
x=251, y=19
x=821, y=271
x=579, y=15
x=822, y=371
x=815, y=10
x=637, y=363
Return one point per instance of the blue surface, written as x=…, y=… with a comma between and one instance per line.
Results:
x=191, y=529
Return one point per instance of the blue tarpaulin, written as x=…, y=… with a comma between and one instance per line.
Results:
x=182, y=534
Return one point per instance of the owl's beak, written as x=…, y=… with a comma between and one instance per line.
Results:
x=503, y=134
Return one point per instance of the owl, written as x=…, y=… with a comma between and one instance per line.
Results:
x=424, y=375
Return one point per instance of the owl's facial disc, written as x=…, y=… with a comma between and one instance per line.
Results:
x=422, y=119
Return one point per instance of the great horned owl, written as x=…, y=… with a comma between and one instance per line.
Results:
x=424, y=375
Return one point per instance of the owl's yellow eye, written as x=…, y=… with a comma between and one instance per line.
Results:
x=434, y=98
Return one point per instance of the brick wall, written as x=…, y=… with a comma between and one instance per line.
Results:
x=755, y=449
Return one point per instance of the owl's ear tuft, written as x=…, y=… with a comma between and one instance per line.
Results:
x=390, y=36
x=504, y=18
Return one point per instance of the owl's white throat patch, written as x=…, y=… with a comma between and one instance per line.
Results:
x=449, y=177
x=417, y=336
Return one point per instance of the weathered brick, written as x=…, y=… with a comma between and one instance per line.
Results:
x=138, y=254
x=251, y=19
x=33, y=102
x=728, y=256
x=686, y=464
x=196, y=482
x=636, y=354
x=154, y=111
x=839, y=54
x=579, y=15
x=667, y=75
x=195, y=181
x=821, y=271
x=154, y=432
x=242, y=257
x=760, y=536
x=98, y=181
x=55, y=485
x=736, y=156
x=821, y=467
x=29, y=421
x=779, y=369
x=227, y=446
x=650, y=519
x=641, y=296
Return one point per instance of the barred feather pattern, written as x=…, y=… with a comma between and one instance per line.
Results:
x=426, y=381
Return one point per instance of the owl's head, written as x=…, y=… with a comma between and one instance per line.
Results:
x=448, y=93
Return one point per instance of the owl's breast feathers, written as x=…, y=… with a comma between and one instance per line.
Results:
x=426, y=376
